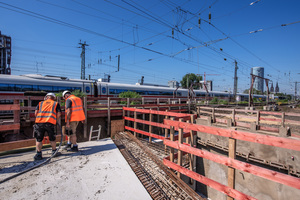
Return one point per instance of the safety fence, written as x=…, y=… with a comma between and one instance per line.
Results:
x=253, y=119
x=14, y=123
x=187, y=129
x=151, y=122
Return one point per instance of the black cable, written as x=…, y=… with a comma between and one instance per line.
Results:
x=38, y=165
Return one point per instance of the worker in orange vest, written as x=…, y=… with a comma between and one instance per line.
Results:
x=74, y=114
x=47, y=113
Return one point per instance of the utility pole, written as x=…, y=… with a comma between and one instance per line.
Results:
x=296, y=90
x=82, y=55
x=235, y=80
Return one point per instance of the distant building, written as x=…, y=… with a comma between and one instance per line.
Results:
x=209, y=85
x=5, y=54
x=272, y=88
x=173, y=84
x=277, y=88
x=258, y=82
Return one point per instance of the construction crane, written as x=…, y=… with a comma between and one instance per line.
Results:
x=204, y=79
x=204, y=75
x=204, y=82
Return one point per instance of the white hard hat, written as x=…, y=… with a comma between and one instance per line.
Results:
x=51, y=94
x=65, y=92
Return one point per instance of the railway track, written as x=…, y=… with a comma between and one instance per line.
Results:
x=145, y=160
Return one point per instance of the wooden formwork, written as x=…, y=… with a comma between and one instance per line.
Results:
x=187, y=129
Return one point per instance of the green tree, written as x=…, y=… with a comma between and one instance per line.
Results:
x=255, y=91
x=190, y=78
x=130, y=94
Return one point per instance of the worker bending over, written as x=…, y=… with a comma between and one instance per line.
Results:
x=47, y=113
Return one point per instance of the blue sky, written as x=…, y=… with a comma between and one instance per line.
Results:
x=45, y=36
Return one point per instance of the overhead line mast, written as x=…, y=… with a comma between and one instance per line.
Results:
x=235, y=80
x=82, y=55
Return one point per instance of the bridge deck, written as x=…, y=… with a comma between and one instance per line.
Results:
x=97, y=171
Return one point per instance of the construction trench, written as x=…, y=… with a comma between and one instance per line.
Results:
x=159, y=147
x=145, y=160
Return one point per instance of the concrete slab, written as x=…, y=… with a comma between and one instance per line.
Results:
x=97, y=171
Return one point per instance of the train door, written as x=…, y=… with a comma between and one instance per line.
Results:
x=104, y=90
x=95, y=89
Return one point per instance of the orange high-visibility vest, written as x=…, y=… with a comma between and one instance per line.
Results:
x=77, y=113
x=47, y=112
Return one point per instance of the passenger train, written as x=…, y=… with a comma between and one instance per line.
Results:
x=18, y=84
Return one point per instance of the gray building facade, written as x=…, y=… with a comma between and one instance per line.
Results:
x=258, y=82
x=5, y=54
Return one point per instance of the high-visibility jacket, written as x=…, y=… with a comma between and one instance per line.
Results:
x=77, y=113
x=47, y=112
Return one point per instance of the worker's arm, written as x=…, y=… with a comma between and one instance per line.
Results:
x=36, y=110
x=58, y=116
x=68, y=117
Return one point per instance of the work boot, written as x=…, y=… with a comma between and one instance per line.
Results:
x=74, y=148
x=38, y=156
x=57, y=154
x=68, y=146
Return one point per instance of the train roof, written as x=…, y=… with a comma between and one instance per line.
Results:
x=37, y=77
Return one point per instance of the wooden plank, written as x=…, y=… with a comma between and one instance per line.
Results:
x=8, y=127
x=9, y=107
x=231, y=171
x=246, y=167
x=293, y=114
x=270, y=119
x=224, y=109
x=291, y=121
x=166, y=132
x=180, y=141
x=147, y=122
x=7, y=146
x=245, y=116
x=220, y=120
x=157, y=112
x=134, y=124
x=145, y=133
x=243, y=124
x=203, y=117
x=245, y=111
x=206, y=112
x=17, y=114
x=240, y=135
x=205, y=108
x=150, y=126
x=209, y=182
x=267, y=128
x=222, y=114
x=172, y=131
x=270, y=113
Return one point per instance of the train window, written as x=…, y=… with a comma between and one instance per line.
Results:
x=45, y=88
x=76, y=88
x=55, y=89
x=5, y=87
x=35, y=88
x=87, y=89
x=23, y=88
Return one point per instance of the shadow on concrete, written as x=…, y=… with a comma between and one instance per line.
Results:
x=83, y=151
